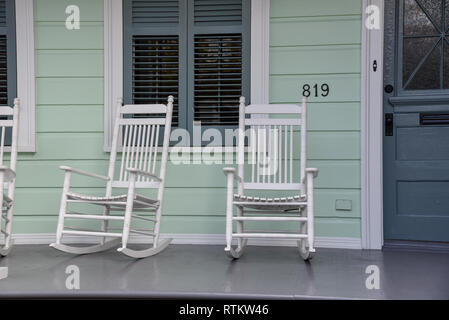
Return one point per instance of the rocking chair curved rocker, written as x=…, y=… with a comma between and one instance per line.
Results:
x=273, y=169
x=136, y=136
x=9, y=118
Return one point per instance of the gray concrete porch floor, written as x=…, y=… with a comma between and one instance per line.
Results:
x=198, y=271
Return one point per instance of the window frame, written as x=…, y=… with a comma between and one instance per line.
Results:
x=11, y=52
x=25, y=74
x=113, y=53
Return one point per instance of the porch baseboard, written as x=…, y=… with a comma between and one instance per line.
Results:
x=200, y=239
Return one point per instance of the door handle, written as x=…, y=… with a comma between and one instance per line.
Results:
x=388, y=124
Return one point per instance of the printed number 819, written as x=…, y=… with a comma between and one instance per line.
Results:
x=323, y=90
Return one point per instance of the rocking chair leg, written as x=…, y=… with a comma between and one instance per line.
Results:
x=63, y=208
x=229, y=212
x=240, y=226
x=6, y=249
x=8, y=229
x=303, y=245
x=230, y=251
x=238, y=252
x=104, y=225
x=310, y=213
x=157, y=226
x=128, y=211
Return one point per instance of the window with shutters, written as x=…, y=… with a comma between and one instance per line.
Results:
x=196, y=50
x=7, y=53
x=8, y=85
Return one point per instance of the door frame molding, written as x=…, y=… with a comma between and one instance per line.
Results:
x=371, y=130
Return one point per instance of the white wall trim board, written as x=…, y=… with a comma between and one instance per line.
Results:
x=197, y=239
x=113, y=58
x=113, y=64
x=371, y=131
x=26, y=87
x=260, y=51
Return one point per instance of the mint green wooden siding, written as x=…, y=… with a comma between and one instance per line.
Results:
x=320, y=42
x=69, y=110
x=313, y=41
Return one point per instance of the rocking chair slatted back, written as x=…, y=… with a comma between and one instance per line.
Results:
x=8, y=119
x=137, y=134
x=271, y=145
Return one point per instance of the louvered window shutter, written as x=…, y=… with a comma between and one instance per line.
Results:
x=195, y=50
x=8, y=86
x=221, y=60
x=152, y=36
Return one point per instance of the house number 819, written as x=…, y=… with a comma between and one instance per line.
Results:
x=307, y=90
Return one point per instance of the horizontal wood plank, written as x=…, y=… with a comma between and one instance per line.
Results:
x=315, y=31
x=51, y=10
x=70, y=91
x=54, y=35
x=69, y=63
x=307, y=8
x=315, y=59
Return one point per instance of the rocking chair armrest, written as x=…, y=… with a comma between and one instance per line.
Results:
x=9, y=174
x=84, y=173
x=144, y=173
x=228, y=171
x=314, y=171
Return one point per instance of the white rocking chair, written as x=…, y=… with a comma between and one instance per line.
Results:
x=271, y=161
x=8, y=174
x=137, y=138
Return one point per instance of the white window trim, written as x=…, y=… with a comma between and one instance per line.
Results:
x=26, y=87
x=113, y=59
x=372, y=132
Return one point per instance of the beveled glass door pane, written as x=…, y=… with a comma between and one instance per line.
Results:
x=424, y=39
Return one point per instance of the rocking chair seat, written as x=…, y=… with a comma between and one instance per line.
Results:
x=284, y=203
x=139, y=200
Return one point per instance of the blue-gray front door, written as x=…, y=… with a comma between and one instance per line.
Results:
x=416, y=120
